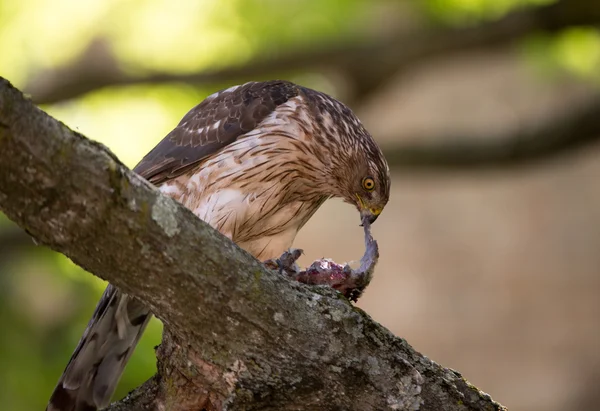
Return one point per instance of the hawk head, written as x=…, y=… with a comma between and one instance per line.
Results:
x=368, y=188
x=357, y=166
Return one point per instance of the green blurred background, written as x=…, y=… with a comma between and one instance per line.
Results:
x=493, y=271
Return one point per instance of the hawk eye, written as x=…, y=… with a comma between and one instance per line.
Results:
x=368, y=184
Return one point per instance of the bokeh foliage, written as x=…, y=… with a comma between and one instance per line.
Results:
x=45, y=300
x=473, y=11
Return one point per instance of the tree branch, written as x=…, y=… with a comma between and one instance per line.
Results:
x=380, y=57
x=558, y=135
x=236, y=335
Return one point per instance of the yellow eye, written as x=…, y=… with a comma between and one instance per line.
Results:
x=368, y=184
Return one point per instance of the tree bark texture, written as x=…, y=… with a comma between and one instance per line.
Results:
x=237, y=336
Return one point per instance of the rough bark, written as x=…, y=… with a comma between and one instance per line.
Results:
x=238, y=336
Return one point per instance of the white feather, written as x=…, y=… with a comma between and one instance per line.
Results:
x=170, y=189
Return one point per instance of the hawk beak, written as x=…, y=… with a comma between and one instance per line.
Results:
x=369, y=215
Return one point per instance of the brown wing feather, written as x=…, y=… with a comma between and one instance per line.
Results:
x=213, y=124
x=95, y=368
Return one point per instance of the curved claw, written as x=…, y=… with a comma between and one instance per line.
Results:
x=286, y=264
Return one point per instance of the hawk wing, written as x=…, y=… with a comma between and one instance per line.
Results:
x=213, y=124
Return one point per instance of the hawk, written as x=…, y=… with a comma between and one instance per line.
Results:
x=254, y=161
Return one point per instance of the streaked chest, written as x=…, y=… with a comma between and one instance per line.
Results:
x=251, y=191
x=256, y=219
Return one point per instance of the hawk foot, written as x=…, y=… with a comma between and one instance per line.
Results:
x=286, y=264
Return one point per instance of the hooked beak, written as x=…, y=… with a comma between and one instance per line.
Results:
x=368, y=214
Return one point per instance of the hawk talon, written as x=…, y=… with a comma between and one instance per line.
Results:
x=280, y=266
x=286, y=264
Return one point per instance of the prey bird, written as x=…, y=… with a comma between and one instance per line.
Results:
x=254, y=161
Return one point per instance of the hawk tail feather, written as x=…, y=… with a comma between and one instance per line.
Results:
x=91, y=376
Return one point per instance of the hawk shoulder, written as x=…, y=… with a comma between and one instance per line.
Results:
x=213, y=124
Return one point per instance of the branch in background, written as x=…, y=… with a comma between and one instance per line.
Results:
x=557, y=136
x=236, y=335
x=379, y=58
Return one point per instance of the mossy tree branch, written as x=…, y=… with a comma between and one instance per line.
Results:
x=237, y=336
